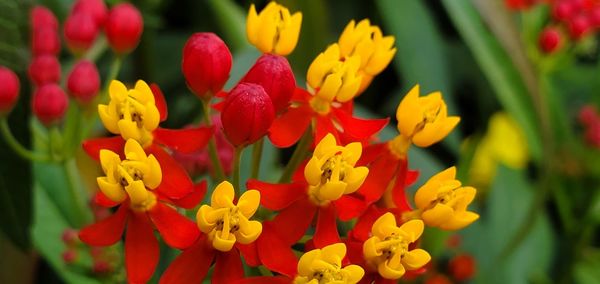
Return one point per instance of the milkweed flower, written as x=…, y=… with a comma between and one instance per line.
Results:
x=325, y=266
x=274, y=74
x=226, y=225
x=9, y=93
x=274, y=29
x=133, y=183
x=442, y=201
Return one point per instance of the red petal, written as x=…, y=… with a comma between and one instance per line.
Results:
x=159, y=101
x=186, y=140
x=359, y=128
x=355, y=252
x=101, y=200
x=372, y=153
x=381, y=172
x=381, y=280
x=141, y=249
x=218, y=106
x=362, y=228
x=301, y=95
x=177, y=231
x=274, y=253
x=194, y=198
x=324, y=127
x=191, y=266
x=107, y=231
x=277, y=196
x=326, y=232
x=399, y=189
x=175, y=181
x=228, y=267
x=411, y=177
x=265, y=279
x=349, y=207
x=250, y=253
x=291, y=223
x=287, y=129
x=93, y=146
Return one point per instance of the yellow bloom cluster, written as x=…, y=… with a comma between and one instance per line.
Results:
x=325, y=266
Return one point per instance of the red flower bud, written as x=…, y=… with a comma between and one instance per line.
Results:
x=83, y=82
x=49, y=104
x=274, y=74
x=579, y=26
x=438, y=279
x=69, y=256
x=9, y=92
x=42, y=17
x=95, y=8
x=101, y=267
x=462, y=267
x=80, y=32
x=563, y=10
x=44, y=69
x=247, y=114
x=45, y=41
x=124, y=27
x=206, y=64
x=588, y=115
x=549, y=40
x=70, y=236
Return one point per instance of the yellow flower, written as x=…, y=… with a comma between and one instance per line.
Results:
x=330, y=172
x=131, y=113
x=443, y=201
x=374, y=50
x=131, y=177
x=225, y=222
x=388, y=248
x=274, y=29
x=334, y=77
x=425, y=119
x=325, y=266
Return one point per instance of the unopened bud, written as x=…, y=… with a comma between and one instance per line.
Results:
x=206, y=64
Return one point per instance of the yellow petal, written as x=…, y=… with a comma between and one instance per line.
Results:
x=464, y=196
x=154, y=177
x=249, y=232
x=379, y=61
x=459, y=221
x=108, y=159
x=252, y=25
x=137, y=192
x=330, y=87
x=222, y=243
x=129, y=130
x=205, y=221
x=289, y=37
x=267, y=31
x=391, y=269
x=355, y=273
x=332, y=190
x=313, y=172
x=151, y=117
x=370, y=250
x=437, y=215
x=409, y=112
x=384, y=225
x=415, y=259
x=447, y=174
x=306, y=262
x=133, y=150
x=109, y=121
x=325, y=145
x=349, y=89
x=113, y=191
x=248, y=202
x=414, y=228
x=434, y=132
x=355, y=178
x=223, y=195
x=352, y=153
x=117, y=90
x=334, y=253
x=427, y=194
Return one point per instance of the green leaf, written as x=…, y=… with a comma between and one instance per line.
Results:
x=586, y=271
x=497, y=66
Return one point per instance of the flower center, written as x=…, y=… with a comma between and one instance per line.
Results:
x=329, y=274
x=320, y=105
x=430, y=115
x=145, y=205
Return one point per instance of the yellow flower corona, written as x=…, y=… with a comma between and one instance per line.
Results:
x=227, y=223
x=130, y=177
x=424, y=119
x=330, y=172
x=443, y=201
x=374, y=50
x=325, y=266
x=131, y=113
x=334, y=78
x=388, y=251
x=274, y=29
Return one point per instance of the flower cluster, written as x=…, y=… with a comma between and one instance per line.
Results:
x=341, y=202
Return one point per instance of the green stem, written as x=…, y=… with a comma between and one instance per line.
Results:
x=70, y=168
x=113, y=72
x=297, y=157
x=17, y=147
x=257, y=150
x=212, y=145
x=236, y=170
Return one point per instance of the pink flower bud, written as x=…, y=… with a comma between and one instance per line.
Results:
x=45, y=41
x=124, y=27
x=578, y=26
x=95, y=8
x=69, y=256
x=83, y=82
x=44, y=69
x=247, y=114
x=9, y=90
x=80, y=32
x=206, y=64
x=42, y=17
x=588, y=115
x=563, y=10
x=49, y=104
x=549, y=40
x=70, y=236
x=274, y=74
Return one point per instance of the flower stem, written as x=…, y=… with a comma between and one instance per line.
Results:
x=257, y=150
x=113, y=72
x=212, y=145
x=70, y=169
x=17, y=147
x=297, y=157
x=236, y=170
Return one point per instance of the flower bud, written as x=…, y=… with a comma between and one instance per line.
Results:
x=124, y=27
x=42, y=17
x=274, y=29
x=44, y=69
x=69, y=256
x=588, y=115
x=80, y=32
x=563, y=10
x=549, y=40
x=95, y=8
x=206, y=64
x=334, y=78
x=247, y=114
x=83, y=82
x=45, y=41
x=9, y=92
x=579, y=26
x=49, y=104
x=462, y=267
x=274, y=74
